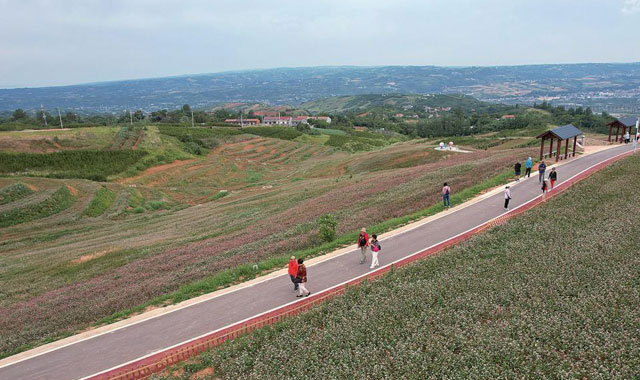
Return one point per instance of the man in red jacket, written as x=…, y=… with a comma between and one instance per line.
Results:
x=293, y=272
x=363, y=243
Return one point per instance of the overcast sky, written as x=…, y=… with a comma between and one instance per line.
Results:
x=60, y=42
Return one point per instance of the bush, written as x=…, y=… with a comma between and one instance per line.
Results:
x=327, y=227
x=138, y=210
x=154, y=205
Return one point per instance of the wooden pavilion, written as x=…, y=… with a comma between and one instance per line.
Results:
x=624, y=123
x=566, y=132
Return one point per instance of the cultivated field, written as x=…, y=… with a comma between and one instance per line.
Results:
x=160, y=230
x=551, y=294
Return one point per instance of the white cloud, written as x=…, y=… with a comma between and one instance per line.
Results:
x=631, y=6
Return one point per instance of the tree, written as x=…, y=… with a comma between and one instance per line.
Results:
x=186, y=108
x=19, y=114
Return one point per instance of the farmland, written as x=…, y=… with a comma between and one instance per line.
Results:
x=175, y=217
x=551, y=294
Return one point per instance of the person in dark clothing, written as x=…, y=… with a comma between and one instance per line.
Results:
x=517, y=168
x=544, y=188
x=553, y=177
x=541, y=169
x=301, y=279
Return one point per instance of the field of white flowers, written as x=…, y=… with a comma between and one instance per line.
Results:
x=554, y=293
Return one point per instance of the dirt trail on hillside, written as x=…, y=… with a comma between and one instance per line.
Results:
x=156, y=170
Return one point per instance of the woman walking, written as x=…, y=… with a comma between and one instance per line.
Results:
x=301, y=279
x=446, y=190
x=507, y=197
x=375, y=250
x=553, y=177
x=545, y=187
x=363, y=243
x=517, y=168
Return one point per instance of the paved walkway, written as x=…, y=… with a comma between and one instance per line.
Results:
x=96, y=354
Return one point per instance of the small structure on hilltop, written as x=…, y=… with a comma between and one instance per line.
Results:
x=624, y=123
x=565, y=133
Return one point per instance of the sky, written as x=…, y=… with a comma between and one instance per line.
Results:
x=47, y=43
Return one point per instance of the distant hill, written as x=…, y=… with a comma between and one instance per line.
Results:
x=576, y=83
x=400, y=103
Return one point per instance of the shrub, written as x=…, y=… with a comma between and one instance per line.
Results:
x=138, y=210
x=154, y=205
x=327, y=227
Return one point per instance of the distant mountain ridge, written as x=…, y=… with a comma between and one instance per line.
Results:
x=510, y=84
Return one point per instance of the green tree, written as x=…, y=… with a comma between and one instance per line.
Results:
x=19, y=114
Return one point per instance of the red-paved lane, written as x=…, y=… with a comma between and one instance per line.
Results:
x=115, y=348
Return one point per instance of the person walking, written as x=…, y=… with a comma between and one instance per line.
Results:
x=301, y=279
x=544, y=189
x=517, y=168
x=627, y=137
x=541, y=169
x=363, y=243
x=446, y=190
x=553, y=177
x=375, y=251
x=507, y=197
x=527, y=167
x=293, y=272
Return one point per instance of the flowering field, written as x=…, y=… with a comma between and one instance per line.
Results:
x=553, y=293
x=67, y=272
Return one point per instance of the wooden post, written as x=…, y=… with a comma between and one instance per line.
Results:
x=575, y=139
x=542, y=147
x=617, y=131
x=551, y=148
x=566, y=149
x=558, y=150
x=610, y=127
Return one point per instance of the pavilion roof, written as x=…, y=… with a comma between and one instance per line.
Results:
x=565, y=132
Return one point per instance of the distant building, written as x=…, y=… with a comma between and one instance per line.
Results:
x=508, y=117
x=326, y=119
x=399, y=115
x=277, y=120
x=243, y=121
x=360, y=128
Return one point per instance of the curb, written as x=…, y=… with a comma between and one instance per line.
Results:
x=146, y=366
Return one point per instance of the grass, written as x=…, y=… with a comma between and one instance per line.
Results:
x=248, y=271
x=102, y=200
x=14, y=192
x=60, y=200
x=497, y=306
x=88, y=164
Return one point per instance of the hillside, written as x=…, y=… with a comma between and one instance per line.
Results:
x=400, y=103
x=79, y=252
x=610, y=85
x=538, y=297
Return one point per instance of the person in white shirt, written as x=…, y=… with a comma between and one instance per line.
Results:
x=507, y=197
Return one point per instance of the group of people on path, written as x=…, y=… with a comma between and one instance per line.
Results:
x=298, y=273
x=542, y=168
x=363, y=242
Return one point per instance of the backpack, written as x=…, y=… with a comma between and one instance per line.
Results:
x=363, y=241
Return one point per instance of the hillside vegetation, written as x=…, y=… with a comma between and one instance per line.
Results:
x=551, y=294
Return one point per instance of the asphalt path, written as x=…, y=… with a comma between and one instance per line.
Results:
x=102, y=352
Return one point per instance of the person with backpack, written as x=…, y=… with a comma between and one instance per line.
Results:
x=507, y=197
x=553, y=177
x=541, y=169
x=293, y=272
x=375, y=250
x=363, y=243
x=527, y=167
x=301, y=279
x=517, y=168
x=446, y=190
x=544, y=189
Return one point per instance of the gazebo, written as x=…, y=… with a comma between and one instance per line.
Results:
x=624, y=123
x=565, y=133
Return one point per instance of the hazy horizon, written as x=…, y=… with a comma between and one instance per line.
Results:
x=78, y=42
